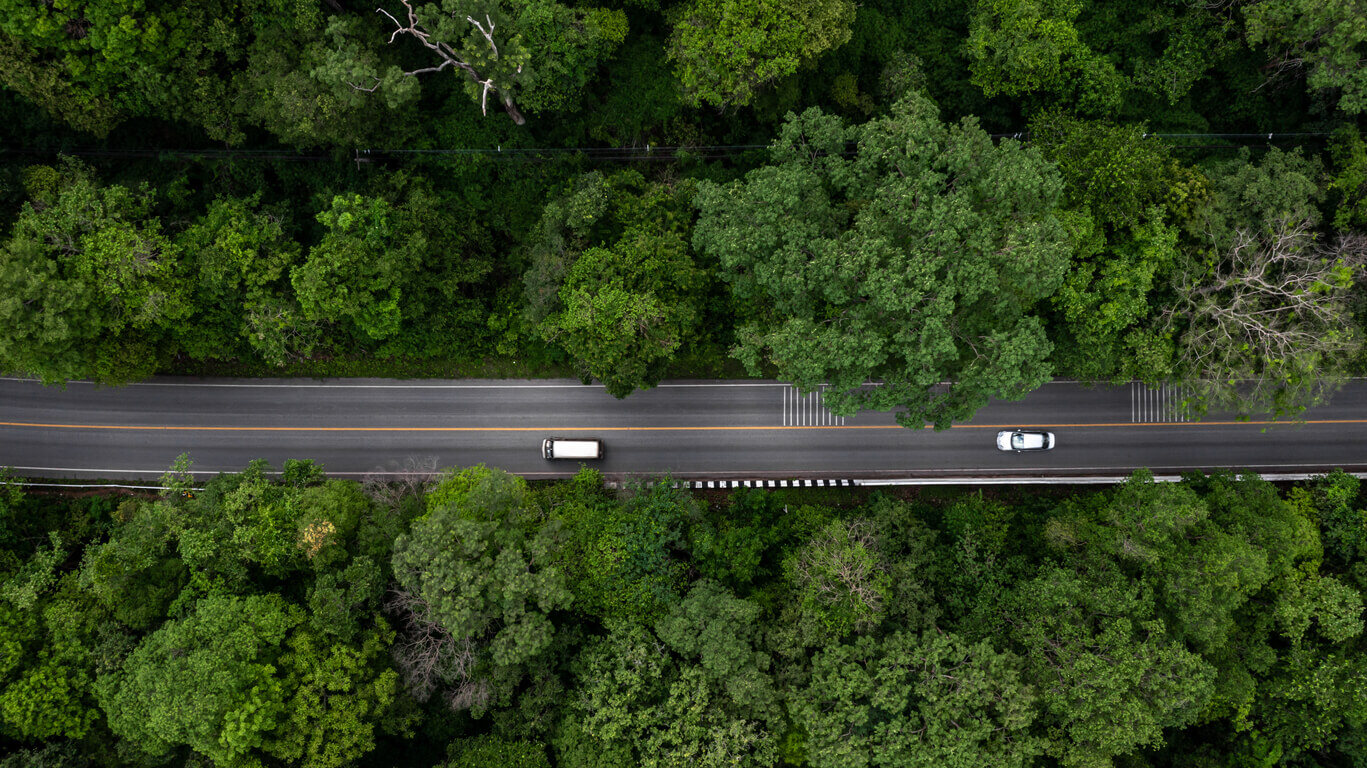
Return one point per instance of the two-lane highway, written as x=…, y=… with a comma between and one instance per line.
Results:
x=690, y=429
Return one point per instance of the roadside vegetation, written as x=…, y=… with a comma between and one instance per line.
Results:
x=467, y=619
x=476, y=187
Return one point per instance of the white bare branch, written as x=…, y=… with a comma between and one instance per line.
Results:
x=488, y=34
x=450, y=57
x=1271, y=315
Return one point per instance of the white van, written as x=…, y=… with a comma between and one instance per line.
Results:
x=572, y=448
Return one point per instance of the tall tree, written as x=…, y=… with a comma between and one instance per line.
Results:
x=1018, y=47
x=534, y=52
x=358, y=271
x=239, y=256
x=93, y=285
x=695, y=692
x=917, y=261
x=628, y=309
x=479, y=587
x=727, y=51
x=1321, y=39
x=208, y=681
x=916, y=702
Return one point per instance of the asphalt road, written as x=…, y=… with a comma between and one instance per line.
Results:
x=709, y=430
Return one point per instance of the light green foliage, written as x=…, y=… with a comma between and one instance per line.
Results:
x=479, y=568
x=46, y=703
x=92, y=284
x=239, y=526
x=1334, y=607
x=208, y=681
x=611, y=279
x=51, y=648
x=35, y=577
x=892, y=266
x=628, y=309
x=725, y=51
x=339, y=692
x=45, y=676
x=907, y=702
x=840, y=578
x=136, y=573
x=454, y=486
x=357, y=272
x=1021, y=46
x=1325, y=37
x=108, y=55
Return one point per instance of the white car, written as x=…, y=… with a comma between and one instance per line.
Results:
x=1024, y=440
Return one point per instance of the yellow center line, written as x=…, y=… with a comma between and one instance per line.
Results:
x=172, y=428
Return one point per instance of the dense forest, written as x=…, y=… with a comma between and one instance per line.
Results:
x=910, y=191
x=469, y=619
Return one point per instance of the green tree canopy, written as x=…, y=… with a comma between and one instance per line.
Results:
x=892, y=266
x=209, y=681
x=907, y=702
x=92, y=283
x=726, y=51
x=479, y=569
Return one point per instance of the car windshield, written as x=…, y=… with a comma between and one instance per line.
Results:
x=1018, y=441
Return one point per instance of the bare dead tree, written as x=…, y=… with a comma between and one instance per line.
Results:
x=451, y=58
x=844, y=571
x=390, y=485
x=1268, y=328
x=428, y=657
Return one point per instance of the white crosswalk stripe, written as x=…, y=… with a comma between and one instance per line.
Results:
x=1166, y=404
x=807, y=410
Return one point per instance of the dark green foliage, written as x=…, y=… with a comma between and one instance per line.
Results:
x=477, y=571
x=911, y=701
x=397, y=245
x=622, y=558
x=1216, y=619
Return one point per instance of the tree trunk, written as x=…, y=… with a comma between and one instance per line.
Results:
x=512, y=109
